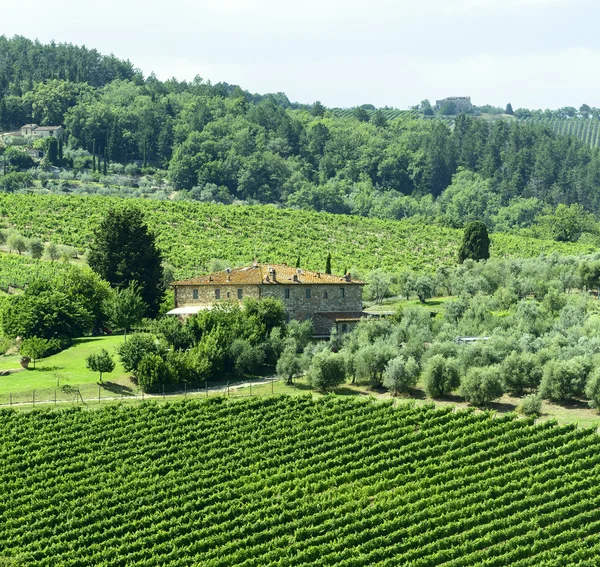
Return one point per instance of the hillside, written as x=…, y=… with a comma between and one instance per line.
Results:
x=295, y=481
x=191, y=234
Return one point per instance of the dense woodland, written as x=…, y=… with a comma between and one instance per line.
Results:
x=219, y=143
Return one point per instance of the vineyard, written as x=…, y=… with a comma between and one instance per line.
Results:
x=587, y=130
x=295, y=481
x=18, y=271
x=190, y=234
x=389, y=113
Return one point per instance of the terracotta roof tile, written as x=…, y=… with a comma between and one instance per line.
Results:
x=268, y=274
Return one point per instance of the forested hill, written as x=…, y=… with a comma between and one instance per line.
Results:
x=219, y=143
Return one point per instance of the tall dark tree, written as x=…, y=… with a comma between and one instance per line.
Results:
x=124, y=251
x=52, y=150
x=105, y=170
x=475, y=244
x=509, y=109
x=94, y=156
x=328, y=264
x=298, y=262
x=60, y=150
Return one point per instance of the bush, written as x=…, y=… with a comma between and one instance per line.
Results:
x=530, y=405
x=327, y=370
x=592, y=389
x=289, y=364
x=152, y=372
x=481, y=385
x=135, y=348
x=518, y=372
x=401, y=374
x=441, y=376
x=247, y=358
x=564, y=379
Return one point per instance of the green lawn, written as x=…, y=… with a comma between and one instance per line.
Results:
x=66, y=368
x=435, y=304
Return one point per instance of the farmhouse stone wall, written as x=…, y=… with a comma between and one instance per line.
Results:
x=184, y=295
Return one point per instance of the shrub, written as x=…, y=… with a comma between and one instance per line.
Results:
x=530, y=405
x=481, y=385
x=152, y=372
x=441, y=376
x=135, y=348
x=401, y=374
x=327, y=370
x=592, y=389
x=563, y=379
x=289, y=364
x=247, y=358
x=518, y=372
x=100, y=362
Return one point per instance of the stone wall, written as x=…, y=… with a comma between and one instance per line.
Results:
x=184, y=295
x=298, y=306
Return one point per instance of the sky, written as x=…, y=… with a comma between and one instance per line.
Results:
x=531, y=53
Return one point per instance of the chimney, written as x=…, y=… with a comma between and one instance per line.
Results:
x=273, y=274
x=295, y=278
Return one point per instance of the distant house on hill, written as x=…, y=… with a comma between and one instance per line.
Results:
x=461, y=103
x=330, y=301
x=37, y=132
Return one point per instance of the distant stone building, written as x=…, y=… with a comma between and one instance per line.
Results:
x=36, y=131
x=330, y=301
x=461, y=103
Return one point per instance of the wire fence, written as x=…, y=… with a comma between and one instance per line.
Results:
x=89, y=394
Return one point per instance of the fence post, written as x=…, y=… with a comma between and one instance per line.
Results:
x=185, y=389
x=206, y=384
x=98, y=394
x=163, y=392
x=227, y=388
x=272, y=380
x=54, y=396
x=33, y=398
x=250, y=388
x=142, y=395
x=10, y=398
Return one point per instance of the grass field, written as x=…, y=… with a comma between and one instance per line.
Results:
x=297, y=482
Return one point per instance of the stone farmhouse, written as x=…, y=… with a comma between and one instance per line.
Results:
x=461, y=103
x=330, y=301
x=37, y=132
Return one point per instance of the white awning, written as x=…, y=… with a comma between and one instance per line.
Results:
x=189, y=310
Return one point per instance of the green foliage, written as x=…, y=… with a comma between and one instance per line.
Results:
x=401, y=374
x=152, y=372
x=174, y=332
x=592, y=389
x=327, y=371
x=125, y=307
x=475, y=244
x=530, y=405
x=36, y=248
x=481, y=385
x=289, y=364
x=247, y=358
x=100, y=362
x=35, y=348
x=123, y=251
x=441, y=376
x=564, y=379
x=132, y=351
x=519, y=371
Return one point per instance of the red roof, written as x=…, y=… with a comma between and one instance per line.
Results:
x=265, y=274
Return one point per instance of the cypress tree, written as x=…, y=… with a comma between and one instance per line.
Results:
x=475, y=244
x=298, y=262
x=105, y=171
x=94, y=156
x=145, y=154
x=328, y=264
x=60, y=150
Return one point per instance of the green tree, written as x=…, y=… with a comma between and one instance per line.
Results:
x=125, y=307
x=592, y=389
x=52, y=251
x=124, y=251
x=34, y=348
x=441, y=376
x=327, y=370
x=36, y=248
x=475, y=244
x=152, y=372
x=16, y=242
x=289, y=365
x=132, y=351
x=509, y=109
x=100, y=362
x=328, y=264
x=481, y=385
x=401, y=374
x=52, y=150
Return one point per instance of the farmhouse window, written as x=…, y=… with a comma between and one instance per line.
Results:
x=325, y=295
x=228, y=294
x=287, y=292
x=307, y=293
x=195, y=294
x=217, y=293
x=240, y=293
x=342, y=292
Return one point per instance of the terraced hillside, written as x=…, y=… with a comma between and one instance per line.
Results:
x=190, y=234
x=586, y=129
x=295, y=481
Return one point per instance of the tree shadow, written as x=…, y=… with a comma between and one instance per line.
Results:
x=115, y=388
x=347, y=391
x=43, y=368
x=502, y=407
x=302, y=386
